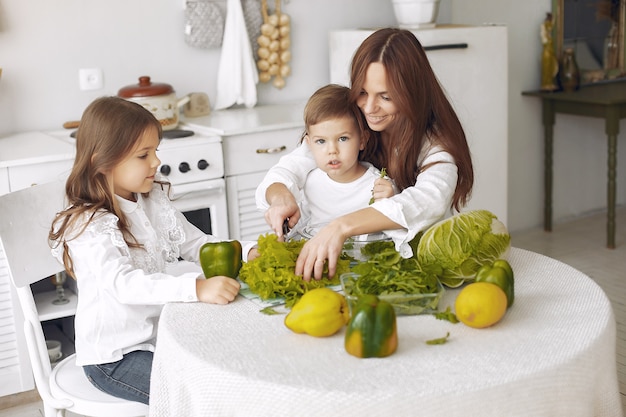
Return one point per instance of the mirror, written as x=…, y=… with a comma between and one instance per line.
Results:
x=595, y=30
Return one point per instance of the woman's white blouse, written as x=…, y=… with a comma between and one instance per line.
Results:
x=122, y=289
x=415, y=208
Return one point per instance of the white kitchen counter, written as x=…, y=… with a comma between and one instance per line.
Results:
x=258, y=119
x=39, y=147
x=33, y=148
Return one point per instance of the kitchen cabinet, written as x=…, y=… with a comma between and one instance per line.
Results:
x=471, y=65
x=253, y=141
x=247, y=159
x=27, y=159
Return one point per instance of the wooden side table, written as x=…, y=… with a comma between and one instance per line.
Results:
x=608, y=101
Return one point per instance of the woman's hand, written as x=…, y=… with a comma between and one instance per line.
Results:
x=283, y=206
x=325, y=246
x=217, y=290
x=383, y=188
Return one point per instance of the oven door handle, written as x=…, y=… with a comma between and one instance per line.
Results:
x=181, y=190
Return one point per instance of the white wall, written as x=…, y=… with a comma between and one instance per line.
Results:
x=43, y=43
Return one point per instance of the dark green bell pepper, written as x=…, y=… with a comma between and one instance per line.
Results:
x=221, y=258
x=372, y=330
x=501, y=274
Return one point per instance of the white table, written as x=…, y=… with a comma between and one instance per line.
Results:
x=553, y=354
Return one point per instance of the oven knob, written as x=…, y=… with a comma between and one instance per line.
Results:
x=184, y=167
x=203, y=164
x=165, y=170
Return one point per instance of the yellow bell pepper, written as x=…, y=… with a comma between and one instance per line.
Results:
x=320, y=312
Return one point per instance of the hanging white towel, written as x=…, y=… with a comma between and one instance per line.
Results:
x=237, y=75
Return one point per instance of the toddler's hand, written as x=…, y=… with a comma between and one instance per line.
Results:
x=217, y=290
x=383, y=188
x=283, y=206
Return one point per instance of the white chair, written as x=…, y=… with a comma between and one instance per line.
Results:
x=25, y=219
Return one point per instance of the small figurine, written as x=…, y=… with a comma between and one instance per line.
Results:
x=549, y=63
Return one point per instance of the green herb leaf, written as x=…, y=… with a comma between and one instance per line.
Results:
x=270, y=311
x=446, y=315
x=386, y=272
x=383, y=174
x=438, y=341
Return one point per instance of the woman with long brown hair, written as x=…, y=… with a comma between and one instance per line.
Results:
x=416, y=136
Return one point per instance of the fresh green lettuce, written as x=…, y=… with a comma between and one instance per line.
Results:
x=272, y=274
x=455, y=248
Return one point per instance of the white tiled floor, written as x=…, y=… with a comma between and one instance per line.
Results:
x=580, y=243
x=26, y=410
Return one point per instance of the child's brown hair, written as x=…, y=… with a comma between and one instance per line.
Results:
x=333, y=102
x=109, y=130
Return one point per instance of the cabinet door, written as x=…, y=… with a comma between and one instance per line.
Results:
x=245, y=221
x=15, y=370
x=259, y=151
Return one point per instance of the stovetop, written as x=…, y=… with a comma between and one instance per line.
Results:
x=177, y=133
x=185, y=156
x=170, y=137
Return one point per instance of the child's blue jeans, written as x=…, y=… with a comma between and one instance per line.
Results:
x=128, y=378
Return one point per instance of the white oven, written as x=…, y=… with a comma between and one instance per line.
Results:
x=194, y=165
x=204, y=204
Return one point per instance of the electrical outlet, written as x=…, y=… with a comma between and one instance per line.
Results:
x=90, y=79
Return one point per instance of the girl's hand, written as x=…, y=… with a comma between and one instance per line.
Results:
x=383, y=188
x=283, y=206
x=253, y=254
x=325, y=246
x=217, y=290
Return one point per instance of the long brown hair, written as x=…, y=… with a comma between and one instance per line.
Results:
x=109, y=130
x=333, y=102
x=424, y=111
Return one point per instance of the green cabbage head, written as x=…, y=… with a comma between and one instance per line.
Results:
x=455, y=248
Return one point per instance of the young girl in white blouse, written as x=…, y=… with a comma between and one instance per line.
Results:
x=118, y=238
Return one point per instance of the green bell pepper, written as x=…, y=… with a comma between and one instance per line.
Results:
x=221, y=258
x=501, y=274
x=372, y=330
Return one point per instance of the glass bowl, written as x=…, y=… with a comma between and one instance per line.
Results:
x=403, y=304
x=353, y=247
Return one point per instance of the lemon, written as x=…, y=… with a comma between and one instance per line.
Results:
x=480, y=304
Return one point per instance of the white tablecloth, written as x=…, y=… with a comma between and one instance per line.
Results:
x=553, y=354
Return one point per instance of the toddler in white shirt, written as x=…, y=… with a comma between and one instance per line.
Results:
x=335, y=135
